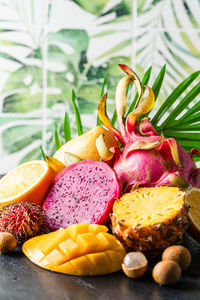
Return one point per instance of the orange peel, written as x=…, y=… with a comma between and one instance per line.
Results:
x=26, y=183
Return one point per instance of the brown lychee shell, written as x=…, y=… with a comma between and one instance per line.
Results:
x=166, y=272
x=179, y=254
x=7, y=242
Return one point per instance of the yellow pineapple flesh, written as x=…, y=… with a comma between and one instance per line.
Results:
x=150, y=219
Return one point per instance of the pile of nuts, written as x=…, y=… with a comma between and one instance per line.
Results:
x=175, y=259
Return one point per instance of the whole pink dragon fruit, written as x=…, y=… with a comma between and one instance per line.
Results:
x=83, y=192
x=146, y=158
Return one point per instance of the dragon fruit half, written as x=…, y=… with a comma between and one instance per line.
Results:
x=146, y=158
x=83, y=192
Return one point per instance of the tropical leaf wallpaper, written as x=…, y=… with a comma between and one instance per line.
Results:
x=49, y=48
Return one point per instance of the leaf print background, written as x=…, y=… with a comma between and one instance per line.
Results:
x=49, y=47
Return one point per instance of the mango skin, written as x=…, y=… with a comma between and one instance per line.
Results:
x=84, y=146
x=80, y=249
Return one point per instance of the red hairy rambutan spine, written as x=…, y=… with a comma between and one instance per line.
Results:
x=23, y=220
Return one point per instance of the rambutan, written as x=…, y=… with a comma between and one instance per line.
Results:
x=23, y=220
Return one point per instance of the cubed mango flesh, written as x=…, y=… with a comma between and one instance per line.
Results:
x=80, y=249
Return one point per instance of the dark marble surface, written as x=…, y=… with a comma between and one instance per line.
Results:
x=22, y=280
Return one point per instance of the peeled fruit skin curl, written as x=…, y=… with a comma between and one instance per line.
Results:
x=84, y=146
x=82, y=192
x=147, y=158
x=80, y=249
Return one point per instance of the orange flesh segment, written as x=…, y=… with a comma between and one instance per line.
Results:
x=76, y=250
x=26, y=183
x=193, y=199
x=195, y=216
x=21, y=179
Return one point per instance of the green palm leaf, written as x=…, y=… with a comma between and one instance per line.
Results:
x=43, y=155
x=182, y=121
x=57, y=138
x=170, y=120
x=103, y=91
x=10, y=57
x=158, y=82
x=191, y=47
x=191, y=119
x=178, y=91
x=67, y=129
x=115, y=48
x=178, y=48
x=77, y=114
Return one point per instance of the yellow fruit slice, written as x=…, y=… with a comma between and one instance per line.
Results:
x=80, y=249
x=26, y=183
x=193, y=199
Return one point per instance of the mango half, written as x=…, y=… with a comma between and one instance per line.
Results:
x=80, y=249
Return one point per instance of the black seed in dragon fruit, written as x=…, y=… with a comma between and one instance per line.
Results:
x=83, y=192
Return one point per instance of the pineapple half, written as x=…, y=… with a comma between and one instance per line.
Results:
x=150, y=219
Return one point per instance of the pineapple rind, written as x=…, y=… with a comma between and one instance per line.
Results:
x=153, y=237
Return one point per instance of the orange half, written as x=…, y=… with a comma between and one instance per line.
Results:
x=26, y=183
x=193, y=199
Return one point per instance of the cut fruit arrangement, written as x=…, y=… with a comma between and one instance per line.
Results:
x=135, y=177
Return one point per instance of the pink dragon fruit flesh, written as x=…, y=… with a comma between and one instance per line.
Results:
x=83, y=192
x=146, y=158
